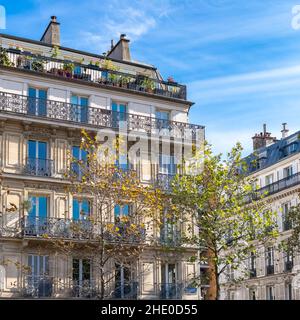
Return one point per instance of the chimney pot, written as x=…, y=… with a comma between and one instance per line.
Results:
x=262, y=139
x=53, y=18
x=284, y=130
x=123, y=36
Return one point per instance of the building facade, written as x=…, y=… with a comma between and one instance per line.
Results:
x=272, y=273
x=48, y=94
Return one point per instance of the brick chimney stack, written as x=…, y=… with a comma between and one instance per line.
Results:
x=52, y=32
x=120, y=50
x=262, y=139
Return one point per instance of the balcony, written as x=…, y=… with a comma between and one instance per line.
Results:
x=94, y=74
x=278, y=186
x=170, y=291
x=126, y=290
x=111, y=232
x=269, y=270
x=288, y=266
x=90, y=116
x=39, y=167
x=38, y=286
x=287, y=225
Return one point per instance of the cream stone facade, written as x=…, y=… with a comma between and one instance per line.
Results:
x=273, y=273
x=39, y=124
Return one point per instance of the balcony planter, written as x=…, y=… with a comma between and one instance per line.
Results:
x=148, y=85
x=68, y=69
x=4, y=59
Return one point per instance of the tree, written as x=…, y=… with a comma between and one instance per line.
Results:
x=112, y=242
x=218, y=198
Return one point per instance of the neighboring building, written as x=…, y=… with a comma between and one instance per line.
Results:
x=48, y=93
x=271, y=273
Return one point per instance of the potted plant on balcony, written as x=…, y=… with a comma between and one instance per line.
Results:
x=148, y=84
x=55, y=52
x=4, y=59
x=124, y=81
x=68, y=69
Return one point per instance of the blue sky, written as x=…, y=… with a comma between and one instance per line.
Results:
x=240, y=59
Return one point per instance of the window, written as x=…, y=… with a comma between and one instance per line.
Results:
x=269, y=179
x=118, y=114
x=288, y=260
x=81, y=277
x=252, y=294
x=286, y=223
x=230, y=273
x=38, y=281
x=270, y=260
x=163, y=119
x=252, y=265
x=270, y=293
x=167, y=164
x=288, y=291
x=36, y=222
x=288, y=172
x=169, y=287
x=230, y=295
x=169, y=231
x=80, y=155
x=37, y=103
x=37, y=162
x=121, y=211
x=124, y=286
x=79, y=109
x=81, y=209
x=292, y=147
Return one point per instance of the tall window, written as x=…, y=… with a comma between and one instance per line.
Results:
x=169, y=289
x=124, y=286
x=288, y=291
x=230, y=273
x=288, y=172
x=81, y=277
x=270, y=291
x=270, y=260
x=252, y=265
x=288, y=260
x=269, y=179
x=79, y=109
x=252, y=294
x=81, y=209
x=80, y=155
x=37, y=162
x=118, y=113
x=286, y=223
x=37, y=102
x=38, y=280
x=121, y=211
x=37, y=216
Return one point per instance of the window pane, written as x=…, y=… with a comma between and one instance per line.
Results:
x=85, y=208
x=117, y=210
x=74, y=99
x=42, y=207
x=75, y=152
x=42, y=152
x=32, y=149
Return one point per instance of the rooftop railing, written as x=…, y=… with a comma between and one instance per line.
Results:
x=94, y=73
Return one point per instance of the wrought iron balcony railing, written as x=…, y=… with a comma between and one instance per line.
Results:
x=278, y=186
x=44, y=286
x=97, y=117
x=164, y=181
x=288, y=266
x=112, y=232
x=39, y=167
x=269, y=270
x=171, y=290
x=170, y=239
x=95, y=74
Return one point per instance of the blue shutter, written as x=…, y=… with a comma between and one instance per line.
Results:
x=117, y=210
x=32, y=101
x=85, y=207
x=42, y=104
x=75, y=209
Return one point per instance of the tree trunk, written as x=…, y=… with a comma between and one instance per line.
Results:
x=213, y=292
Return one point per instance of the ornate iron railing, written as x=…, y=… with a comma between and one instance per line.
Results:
x=164, y=181
x=39, y=167
x=269, y=269
x=278, y=186
x=171, y=290
x=95, y=74
x=113, y=232
x=38, y=286
x=102, y=118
